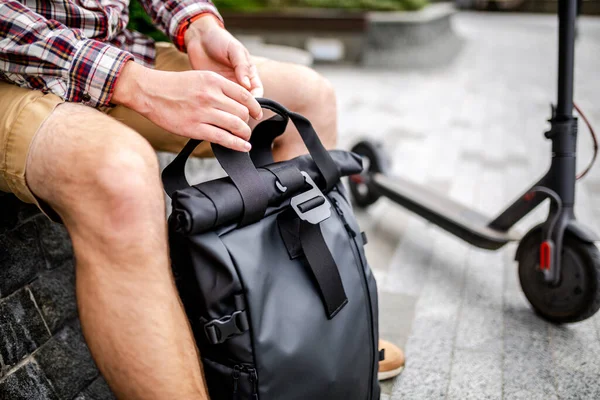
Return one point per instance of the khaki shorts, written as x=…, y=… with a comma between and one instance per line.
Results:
x=22, y=112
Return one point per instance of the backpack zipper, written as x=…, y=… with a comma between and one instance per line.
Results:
x=236, y=376
x=252, y=378
x=356, y=253
x=254, y=383
x=347, y=226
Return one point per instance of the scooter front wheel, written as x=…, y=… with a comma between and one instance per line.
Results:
x=375, y=162
x=577, y=295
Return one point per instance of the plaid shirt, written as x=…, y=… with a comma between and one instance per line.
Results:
x=76, y=48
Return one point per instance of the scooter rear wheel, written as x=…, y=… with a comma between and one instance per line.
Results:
x=577, y=296
x=375, y=162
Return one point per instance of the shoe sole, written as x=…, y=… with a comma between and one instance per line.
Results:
x=382, y=376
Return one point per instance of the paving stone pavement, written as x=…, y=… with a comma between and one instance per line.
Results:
x=473, y=130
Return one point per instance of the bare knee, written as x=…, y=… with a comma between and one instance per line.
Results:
x=313, y=94
x=329, y=101
x=94, y=170
x=122, y=192
x=325, y=94
x=126, y=180
x=305, y=91
x=316, y=99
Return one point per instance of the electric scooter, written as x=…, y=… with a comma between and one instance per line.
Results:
x=559, y=264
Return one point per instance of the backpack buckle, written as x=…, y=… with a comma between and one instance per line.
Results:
x=219, y=330
x=311, y=206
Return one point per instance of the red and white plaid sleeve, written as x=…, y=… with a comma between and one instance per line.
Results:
x=43, y=54
x=169, y=15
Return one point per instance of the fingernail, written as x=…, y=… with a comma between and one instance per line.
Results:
x=247, y=146
x=246, y=82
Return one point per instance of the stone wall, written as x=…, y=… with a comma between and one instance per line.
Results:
x=42, y=351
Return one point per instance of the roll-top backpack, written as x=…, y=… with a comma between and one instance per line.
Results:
x=270, y=266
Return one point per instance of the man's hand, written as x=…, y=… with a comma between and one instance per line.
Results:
x=212, y=48
x=194, y=104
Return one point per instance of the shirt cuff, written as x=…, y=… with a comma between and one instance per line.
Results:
x=94, y=71
x=186, y=10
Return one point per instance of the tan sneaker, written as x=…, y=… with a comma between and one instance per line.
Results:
x=393, y=363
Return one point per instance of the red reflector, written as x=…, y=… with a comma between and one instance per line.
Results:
x=357, y=179
x=529, y=196
x=545, y=255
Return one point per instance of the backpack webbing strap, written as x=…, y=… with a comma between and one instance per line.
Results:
x=246, y=179
x=173, y=176
x=323, y=267
x=263, y=136
x=321, y=157
x=286, y=176
x=289, y=230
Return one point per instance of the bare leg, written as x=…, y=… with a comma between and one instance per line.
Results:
x=304, y=91
x=102, y=178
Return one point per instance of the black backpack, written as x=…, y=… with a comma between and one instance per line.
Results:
x=270, y=266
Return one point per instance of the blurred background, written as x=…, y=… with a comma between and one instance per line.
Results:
x=371, y=33
x=459, y=94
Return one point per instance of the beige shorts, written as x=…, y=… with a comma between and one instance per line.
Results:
x=22, y=112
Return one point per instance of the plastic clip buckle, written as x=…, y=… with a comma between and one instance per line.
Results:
x=311, y=206
x=219, y=330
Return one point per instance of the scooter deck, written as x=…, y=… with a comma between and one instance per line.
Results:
x=448, y=214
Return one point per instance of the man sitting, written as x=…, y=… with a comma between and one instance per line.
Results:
x=83, y=105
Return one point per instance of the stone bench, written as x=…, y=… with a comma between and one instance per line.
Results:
x=43, y=355
x=415, y=39
x=420, y=39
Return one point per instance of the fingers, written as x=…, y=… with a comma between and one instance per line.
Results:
x=217, y=135
x=242, y=96
x=233, y=107
x=257, y=86
x=230, y=123
x=245, y=71
x=240, y=61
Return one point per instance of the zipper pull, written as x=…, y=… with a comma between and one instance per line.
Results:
x=236, y=376
x=336, y=205
x=340, y=212
x=254, y=383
